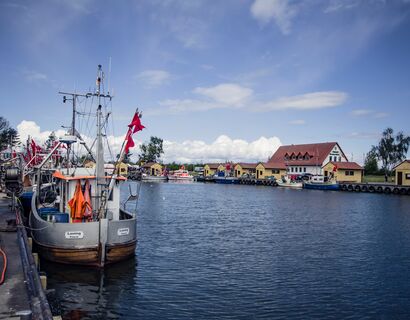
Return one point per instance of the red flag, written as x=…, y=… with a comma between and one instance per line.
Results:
x=130, y=143
x=335, y=168
x=136, y=123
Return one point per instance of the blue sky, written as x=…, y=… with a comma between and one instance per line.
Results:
x=215, y=79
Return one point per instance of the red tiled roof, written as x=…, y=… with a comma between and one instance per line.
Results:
x=246, y=165
x=149, y=164
x=347, y=165
x=317, y=153
x=274, y=165
x=213, y=165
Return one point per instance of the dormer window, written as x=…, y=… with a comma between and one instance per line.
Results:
x=293, y=157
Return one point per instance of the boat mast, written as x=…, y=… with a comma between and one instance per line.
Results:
x=100, y=176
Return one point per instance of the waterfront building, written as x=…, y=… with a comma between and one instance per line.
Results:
x=152, y=168
x=242, y=168
x=402, y=172
x=266, y=170
x=308, y=158
x=210, y=169
x=344, y=171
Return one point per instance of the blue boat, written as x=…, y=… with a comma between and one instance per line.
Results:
x=319, y=182
x=226, y=180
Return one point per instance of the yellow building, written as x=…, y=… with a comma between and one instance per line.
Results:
x=403, y=173
x=265, y=170
x=123, y=169
x=210, y=169
x=242, y=168
x=152, y=168
x=344, y=171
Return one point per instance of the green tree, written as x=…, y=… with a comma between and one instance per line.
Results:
x=370, y=163
x=51, y=139
x=151, y=151
x=8, y=135
x=391, y=149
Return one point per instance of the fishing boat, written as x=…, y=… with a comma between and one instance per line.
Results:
x=181, y=174
x=222, y=179
x=84, y=222
x=319, y=182
x=287, y=182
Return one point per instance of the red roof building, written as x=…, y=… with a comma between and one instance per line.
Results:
x=308, y=158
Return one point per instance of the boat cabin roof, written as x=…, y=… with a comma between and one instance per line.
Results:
x=59, y=175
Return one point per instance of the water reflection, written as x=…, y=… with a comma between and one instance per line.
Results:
x=89, y=293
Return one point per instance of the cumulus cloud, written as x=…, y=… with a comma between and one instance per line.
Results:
x=189, y=151
x=278, y=10
x=226, y=93
x=31, y=129
x=308, y=101
x=153, y=78
x=222, y=149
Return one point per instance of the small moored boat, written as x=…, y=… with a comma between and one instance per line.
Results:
x=319, y=182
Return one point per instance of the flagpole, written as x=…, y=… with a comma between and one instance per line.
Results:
x=114, y=174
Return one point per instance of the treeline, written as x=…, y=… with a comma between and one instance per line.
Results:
x=390, y=151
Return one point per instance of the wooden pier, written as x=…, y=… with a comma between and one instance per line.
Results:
x=21, y=294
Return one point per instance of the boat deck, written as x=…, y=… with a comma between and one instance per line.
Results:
x=13, y=292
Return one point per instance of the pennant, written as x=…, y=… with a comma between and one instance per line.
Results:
x=136, y=123
x=129, y=142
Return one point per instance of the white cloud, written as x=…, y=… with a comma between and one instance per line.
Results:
x=226, y=93
x=222, y=149
x=278, y=10
x=298, y=122
x=230, y=95
x=189, y=151
x=185, y=105
x=379, y=115
x=368, y=113
x=337, y=5
x=153, y=78
x=361, y=112
x=34, y=76
x=30, y=128
x=308, y=101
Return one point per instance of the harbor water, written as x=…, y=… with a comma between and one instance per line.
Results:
x=210, y=251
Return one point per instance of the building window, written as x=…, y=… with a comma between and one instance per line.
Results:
x=340, y=159
x=407, y=176
x=304, y=169
x=291, y=169
x=275, y=171
x=349, y=173
x=293, y=157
